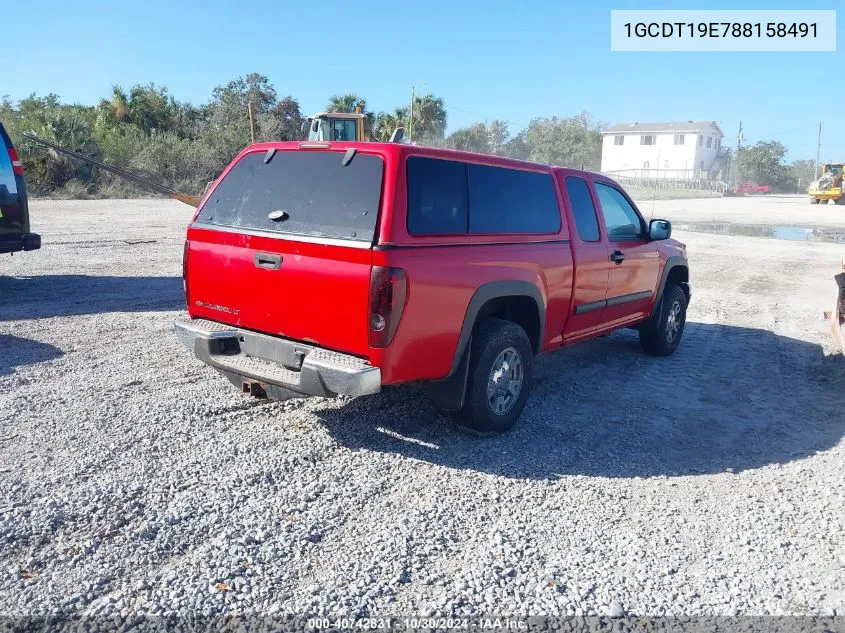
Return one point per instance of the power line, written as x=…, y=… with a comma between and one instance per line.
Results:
x=775, y=135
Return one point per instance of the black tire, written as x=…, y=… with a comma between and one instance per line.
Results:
x=661, y=334
x=493, y=341
x=814, y=200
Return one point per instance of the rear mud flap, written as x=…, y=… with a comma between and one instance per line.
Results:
x=449, y=394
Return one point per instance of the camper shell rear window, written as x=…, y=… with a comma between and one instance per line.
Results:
x=308, y=193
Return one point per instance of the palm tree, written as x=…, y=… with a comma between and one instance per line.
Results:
x=429, y=117
x=117, y=107
x=346, y=103
x=66, y=128
x=386, y=122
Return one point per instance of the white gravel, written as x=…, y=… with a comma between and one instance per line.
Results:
x=134, y=480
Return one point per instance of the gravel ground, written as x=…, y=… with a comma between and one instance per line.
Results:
x=136, y=480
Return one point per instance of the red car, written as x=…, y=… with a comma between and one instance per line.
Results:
x=751, y=188
x=337, y=268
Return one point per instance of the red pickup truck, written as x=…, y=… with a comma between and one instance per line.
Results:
x=329, y=269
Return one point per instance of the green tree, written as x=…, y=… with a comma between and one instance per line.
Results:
x=762, y=164
x=474, y=138
x=801, y=174
x=115, y=109
x=429, y=119
x=46, y=169
x=228, y=117
x=346, y=103
x=386, y=122
x=569, y=141
x=283, y=122
x=517, y=146
x=151, y=108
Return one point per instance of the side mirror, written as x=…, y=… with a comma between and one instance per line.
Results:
x=659, y=230
x=398, y=135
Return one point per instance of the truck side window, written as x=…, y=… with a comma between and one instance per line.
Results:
x=437, y=197
x=620, y=218
x=583, y=209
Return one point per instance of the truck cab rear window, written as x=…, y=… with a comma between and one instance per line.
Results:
x=453, y=198
x=319, y=196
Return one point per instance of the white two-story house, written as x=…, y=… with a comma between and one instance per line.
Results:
x=662, y=150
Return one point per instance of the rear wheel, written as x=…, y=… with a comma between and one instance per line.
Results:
x=661, y=334
x=814, y=200
x=499, y=376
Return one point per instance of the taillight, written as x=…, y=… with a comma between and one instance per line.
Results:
x=185, y=274
x=17, y=165
x=388, y=289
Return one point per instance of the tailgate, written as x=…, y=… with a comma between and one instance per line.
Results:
x=284, y=246
x=302, y=291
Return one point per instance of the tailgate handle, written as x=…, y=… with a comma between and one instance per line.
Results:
x=268, y=260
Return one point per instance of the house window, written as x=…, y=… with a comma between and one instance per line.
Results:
x=709, y=141
x=648, y=139
x=718, y=142
x=618, y=140
x=667, y=164
x=646, y=164
x=700, y=140
x=701, y=165
x=679, y=139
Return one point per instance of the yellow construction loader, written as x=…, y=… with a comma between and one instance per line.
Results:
x=336, y=126
x=828, y=186
x=343, y=126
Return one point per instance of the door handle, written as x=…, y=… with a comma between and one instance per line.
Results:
x=617, y=257
x=268, y=261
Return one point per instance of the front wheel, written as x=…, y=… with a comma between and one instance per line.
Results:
x=499, y=377
x=661, y=334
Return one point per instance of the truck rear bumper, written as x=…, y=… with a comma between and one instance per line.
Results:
x=25, y=242
x=275, y=362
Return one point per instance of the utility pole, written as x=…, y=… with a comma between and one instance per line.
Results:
x=251, y=114
x=411, y=119
x=818, y=151
x=736, y=158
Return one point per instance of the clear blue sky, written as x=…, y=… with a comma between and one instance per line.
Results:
x=486, y=59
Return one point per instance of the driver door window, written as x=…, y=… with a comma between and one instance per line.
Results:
x=621, y=220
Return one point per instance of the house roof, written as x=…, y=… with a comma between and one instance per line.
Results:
x=671, y=126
